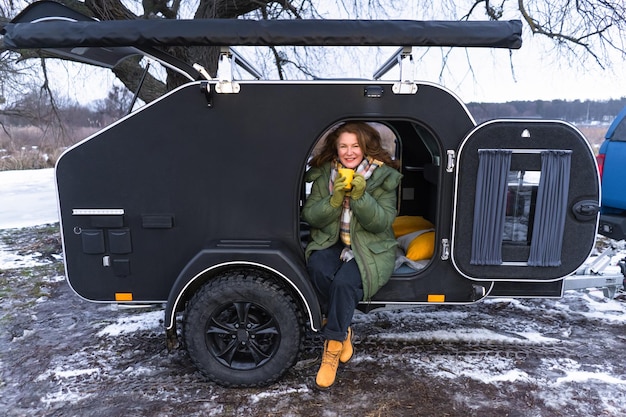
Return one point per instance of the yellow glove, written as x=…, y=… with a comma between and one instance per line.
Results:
x=358, y=186
x=339, y=191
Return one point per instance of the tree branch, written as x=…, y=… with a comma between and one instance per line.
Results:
x=53, y=105
x=562, y=38
x=129, y=72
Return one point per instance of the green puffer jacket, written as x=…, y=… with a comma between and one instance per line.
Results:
x=373, y=241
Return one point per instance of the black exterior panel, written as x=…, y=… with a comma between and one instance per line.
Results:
x=233, y=171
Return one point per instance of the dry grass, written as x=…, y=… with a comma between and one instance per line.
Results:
x=594, y=134
x=32, y=148
x=26, y=158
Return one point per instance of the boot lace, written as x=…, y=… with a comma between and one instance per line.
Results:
x=331, y=357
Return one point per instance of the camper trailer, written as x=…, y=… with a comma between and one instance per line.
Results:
x=193, y=201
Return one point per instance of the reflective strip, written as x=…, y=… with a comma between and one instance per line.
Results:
x=436, y=298
x=123, y=296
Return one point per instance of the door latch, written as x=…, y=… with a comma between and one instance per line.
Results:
x=586, y=210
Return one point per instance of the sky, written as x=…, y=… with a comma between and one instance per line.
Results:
x=530, y=73
x=534, y=75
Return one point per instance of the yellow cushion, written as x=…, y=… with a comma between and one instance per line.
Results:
x=404, y=225
x=422, y=247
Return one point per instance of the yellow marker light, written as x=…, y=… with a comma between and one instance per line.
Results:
x=436, y=298
x=123, y=296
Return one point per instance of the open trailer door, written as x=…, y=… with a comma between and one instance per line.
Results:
x=526, y=202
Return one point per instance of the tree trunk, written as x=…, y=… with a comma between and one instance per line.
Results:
x=129, y=72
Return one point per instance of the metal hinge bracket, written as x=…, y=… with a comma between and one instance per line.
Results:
x=450, y=161
x=445, y=249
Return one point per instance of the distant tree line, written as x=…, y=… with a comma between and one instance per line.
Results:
x=30, y=110
x=33, y=133
x=576, y=111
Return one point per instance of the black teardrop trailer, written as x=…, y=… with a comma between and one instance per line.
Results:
x=194, y=199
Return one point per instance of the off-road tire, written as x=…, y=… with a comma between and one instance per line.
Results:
x=242, y=330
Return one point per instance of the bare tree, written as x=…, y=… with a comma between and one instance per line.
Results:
x=579, y=29
x=114, y=106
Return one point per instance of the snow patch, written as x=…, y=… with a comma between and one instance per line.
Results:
x=136, y=322
x=487, y=370
x=31, y=189
x=64, y=396
x=468, y=335
x=53, y=280
x=510, y=301
x=10, y=260
x=583, y=376
x=278, y=393
x=73, y=373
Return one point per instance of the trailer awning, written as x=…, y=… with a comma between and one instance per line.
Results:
x=47, y=12
x=233, y=32
x=46, y=25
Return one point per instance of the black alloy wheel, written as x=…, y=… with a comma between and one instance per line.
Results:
x=242, y=329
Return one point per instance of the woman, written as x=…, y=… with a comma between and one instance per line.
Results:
x=352, y=250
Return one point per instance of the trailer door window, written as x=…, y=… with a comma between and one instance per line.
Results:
x=521, y=199
x=518, y=208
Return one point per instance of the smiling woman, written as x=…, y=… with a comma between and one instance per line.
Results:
x=350, y=210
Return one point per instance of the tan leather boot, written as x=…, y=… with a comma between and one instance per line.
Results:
x=330, y=362
x=347, y=351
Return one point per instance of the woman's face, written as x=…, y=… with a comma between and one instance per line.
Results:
x=349, y=152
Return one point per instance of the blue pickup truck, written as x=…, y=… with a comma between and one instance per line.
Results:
x=612, y=164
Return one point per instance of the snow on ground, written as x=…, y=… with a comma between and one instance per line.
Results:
x=496, y=369
x=28, y=199
x=135, y=323
x=10, y=260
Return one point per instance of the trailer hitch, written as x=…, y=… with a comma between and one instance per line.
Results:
x=595, y=274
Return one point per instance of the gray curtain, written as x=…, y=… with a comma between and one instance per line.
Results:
x=490, y=206
x=551, y=209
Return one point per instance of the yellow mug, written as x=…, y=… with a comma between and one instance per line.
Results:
x=348, y=174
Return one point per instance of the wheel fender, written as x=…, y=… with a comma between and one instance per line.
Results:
x=274, y=258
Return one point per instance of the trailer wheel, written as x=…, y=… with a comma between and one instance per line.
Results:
x=242, y=330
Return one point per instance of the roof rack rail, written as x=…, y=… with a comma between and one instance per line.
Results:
x=241, y=62
x=403, y=57
x=396, y=59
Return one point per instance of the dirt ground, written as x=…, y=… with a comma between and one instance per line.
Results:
x=62, y=356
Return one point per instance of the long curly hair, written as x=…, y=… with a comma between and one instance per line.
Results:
x=369, y=140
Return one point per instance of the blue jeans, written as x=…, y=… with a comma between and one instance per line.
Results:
x=339, y=288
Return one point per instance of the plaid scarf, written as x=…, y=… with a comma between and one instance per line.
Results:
x=365, y=168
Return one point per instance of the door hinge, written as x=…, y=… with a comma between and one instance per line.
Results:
x=451, y=160
x=445, y=249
